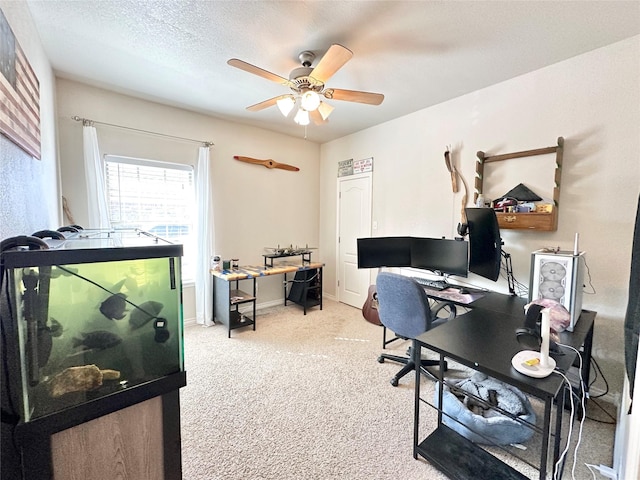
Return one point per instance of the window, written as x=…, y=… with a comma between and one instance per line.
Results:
x=157, y=197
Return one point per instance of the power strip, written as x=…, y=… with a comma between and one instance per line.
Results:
x=608, y=472
x=605, y=471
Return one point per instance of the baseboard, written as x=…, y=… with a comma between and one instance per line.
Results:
x=259, y=306
x=272, y=303
x=189, y=321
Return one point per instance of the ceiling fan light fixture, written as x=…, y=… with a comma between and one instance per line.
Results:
x=285, y=105
x=309, y=100
x=306, y=84
x=324, y=109
x=302, y=117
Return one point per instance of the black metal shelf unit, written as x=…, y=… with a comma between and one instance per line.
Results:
x=228, y=300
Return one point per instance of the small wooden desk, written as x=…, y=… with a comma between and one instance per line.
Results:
x=227, y=299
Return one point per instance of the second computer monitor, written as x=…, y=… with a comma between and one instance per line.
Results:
x=444, y=256
x=485, y=244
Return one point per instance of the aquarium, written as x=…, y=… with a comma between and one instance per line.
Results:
x=89, y=316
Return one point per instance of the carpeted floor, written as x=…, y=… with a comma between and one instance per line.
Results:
x=303, y=397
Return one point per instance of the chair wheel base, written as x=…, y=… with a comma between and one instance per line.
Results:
x=394, y=381
x=380, y=359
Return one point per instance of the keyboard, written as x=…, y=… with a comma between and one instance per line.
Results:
x=433, y=284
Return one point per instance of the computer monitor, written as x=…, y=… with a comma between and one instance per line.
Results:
x=384, y=252
x=485, y=248
x=440, y=255
x=446, y=257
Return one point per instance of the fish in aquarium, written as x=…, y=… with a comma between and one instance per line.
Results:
x=144, y=313
x=114, y=307
x=131, y=285
x=99, y=340
x=118, y=286
x=56, y=328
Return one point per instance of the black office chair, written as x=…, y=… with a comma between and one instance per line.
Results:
x=404, y=308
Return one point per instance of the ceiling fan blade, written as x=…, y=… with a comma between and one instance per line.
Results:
x=353, y=96
x=331, y=62
x=247, y=67
x=266, y=104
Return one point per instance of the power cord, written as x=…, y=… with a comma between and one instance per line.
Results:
x=613, y=420
x=606, y=391
x=313, y=277
x=603, y=469
x=583, y=407
x=593, y=289
x=560, y=461
x=582, y=404
x=506, y=272
x=606, y=384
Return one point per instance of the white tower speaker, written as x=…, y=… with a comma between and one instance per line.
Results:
x=558, y=276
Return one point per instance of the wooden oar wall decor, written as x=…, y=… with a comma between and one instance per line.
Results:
x=267, y=163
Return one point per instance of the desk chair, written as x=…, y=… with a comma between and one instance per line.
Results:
x=404, y=308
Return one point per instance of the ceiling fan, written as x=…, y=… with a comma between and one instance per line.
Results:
x=308, y=84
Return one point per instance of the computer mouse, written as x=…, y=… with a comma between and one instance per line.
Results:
x=463, y=291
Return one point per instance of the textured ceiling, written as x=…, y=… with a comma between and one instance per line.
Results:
x=416, y=53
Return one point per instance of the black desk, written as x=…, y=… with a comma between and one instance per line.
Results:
x=484, y=339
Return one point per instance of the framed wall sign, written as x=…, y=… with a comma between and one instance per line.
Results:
x=363, y=166
x=19, y=94
x=351, y=167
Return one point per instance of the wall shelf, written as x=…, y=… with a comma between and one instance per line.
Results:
x=540, y=221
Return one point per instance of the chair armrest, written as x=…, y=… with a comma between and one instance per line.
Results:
x=441, y=305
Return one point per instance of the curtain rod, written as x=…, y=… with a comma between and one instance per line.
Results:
x=86, y=122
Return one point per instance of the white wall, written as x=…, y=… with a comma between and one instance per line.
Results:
x=254, y=207
x=592, y=100
x=29, y=197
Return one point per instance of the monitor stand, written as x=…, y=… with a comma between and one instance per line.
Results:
x=511, y=282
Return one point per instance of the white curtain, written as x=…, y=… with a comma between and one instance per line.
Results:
x=98, y=212
x=205, y=248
